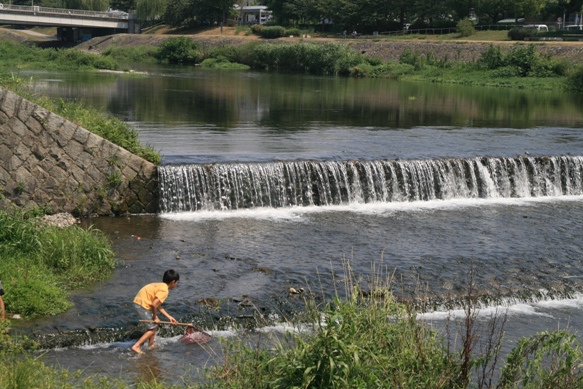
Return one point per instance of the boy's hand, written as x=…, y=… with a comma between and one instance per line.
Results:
x=172, y=320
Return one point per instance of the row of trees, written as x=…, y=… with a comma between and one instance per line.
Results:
x=362, y=15
x=382, y=15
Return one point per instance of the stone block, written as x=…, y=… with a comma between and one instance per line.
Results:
x=74, y=149
x=9, y=103
x=81, y=135
x=129, y=173
x=18, y=128
x=84, y=160
x=93, y=144
x=25, y=110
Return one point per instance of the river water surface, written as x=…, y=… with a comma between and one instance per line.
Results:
x=525, y=248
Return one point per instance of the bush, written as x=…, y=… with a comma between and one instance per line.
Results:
x=222, y=63
x=256, y=28
x=329, y=58
x=492, y=58
x=520, y=33
x=272, y=32
x=465, y=28
x=524, y=58
x=412, y=58
x=293, y=31
x=179, y=50
x=576, y=79
x=360, y=343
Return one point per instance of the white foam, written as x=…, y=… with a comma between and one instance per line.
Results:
x=296, y=214
x=515, y=309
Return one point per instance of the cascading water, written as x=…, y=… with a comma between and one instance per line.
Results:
x=306, y=183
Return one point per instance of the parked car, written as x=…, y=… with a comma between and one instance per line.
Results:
x=574, y=27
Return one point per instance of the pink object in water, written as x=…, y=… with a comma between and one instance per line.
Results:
x=194, y=335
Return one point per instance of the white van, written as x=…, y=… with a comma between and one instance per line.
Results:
x=538, y=27
x=574, y=27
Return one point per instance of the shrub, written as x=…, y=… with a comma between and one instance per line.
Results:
x=179, y=50
x=576, y=79
x=256, y=28
x=412, y=58
x=222, y=63
x=520, y=33
x=525, y=58
x=492, y=58
x=272, y=32
x=359, y=343
x=293, y=31
x=132, y=54
x=466, y=28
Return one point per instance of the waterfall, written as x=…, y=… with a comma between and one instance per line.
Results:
x=310, y=183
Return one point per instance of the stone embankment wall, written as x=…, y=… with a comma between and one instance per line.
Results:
x=50, y=162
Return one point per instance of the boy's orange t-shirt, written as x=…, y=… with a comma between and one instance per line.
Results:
x=148, y=293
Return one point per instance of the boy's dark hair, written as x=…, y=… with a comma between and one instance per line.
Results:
x=170, y=275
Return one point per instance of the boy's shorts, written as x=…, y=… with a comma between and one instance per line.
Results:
x=145, y=314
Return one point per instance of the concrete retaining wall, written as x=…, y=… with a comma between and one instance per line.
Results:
x=47, y=161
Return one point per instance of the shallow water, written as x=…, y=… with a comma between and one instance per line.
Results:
x=513, y=248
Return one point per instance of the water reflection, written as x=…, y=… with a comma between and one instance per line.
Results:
x=228, y=100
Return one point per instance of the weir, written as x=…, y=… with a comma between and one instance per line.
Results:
x=311, y=183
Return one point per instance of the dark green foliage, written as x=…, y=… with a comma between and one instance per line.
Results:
x=179, y=50
x=131, y=54
x=492, y=58
x=521, y=61
x=292, y=32
x=328, y=58
x=29, y=57
x=272, y=32
x=576, y=79
x=222, y=63
x=545, y=360
x=520, y=33
x=465, y=28
x=412, y=58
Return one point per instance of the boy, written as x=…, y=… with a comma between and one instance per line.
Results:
x=148, y=303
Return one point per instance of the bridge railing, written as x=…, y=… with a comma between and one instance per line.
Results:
x=65, y=12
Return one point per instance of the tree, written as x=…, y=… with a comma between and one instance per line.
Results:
x=150, y=10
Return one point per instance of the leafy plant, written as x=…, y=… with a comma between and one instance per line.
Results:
x=179, y=50
x=466, y=28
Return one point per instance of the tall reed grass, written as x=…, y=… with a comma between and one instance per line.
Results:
x=40, y=263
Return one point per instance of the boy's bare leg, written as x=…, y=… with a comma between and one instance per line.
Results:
x=151, y=341
x=137, y=347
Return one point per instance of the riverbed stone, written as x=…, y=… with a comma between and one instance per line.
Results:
x=51, y=162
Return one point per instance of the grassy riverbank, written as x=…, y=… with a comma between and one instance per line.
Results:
x=40, y=263
x=94, y=120
x=517, y=66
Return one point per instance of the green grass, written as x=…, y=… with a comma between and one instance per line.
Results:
x=94, y=120
x=15, y=56
x=40, y=263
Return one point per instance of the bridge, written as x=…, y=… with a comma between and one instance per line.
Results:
x=72, y=24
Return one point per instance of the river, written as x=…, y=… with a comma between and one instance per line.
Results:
x=519, y=238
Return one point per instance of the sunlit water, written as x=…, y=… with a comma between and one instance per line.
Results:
x=507, y=245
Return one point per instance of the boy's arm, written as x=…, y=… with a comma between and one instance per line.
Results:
x=157, y=307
